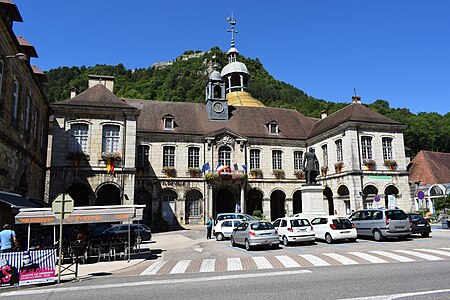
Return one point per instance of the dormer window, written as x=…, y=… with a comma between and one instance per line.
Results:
x=168, y=122
x=273, y=128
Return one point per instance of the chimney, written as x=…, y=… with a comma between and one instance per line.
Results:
x=324, y=114
x=356, y=99
x=73, y=92
x=107, y=81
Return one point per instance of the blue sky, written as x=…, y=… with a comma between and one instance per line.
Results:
x=397, y=51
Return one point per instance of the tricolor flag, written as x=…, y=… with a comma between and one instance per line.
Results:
x=219, y=166
x=222, y=168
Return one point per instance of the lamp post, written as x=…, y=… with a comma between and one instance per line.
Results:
x=19, y=56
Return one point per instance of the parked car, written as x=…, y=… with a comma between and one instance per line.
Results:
x=224, y=228
x=419, y=224
x=139, y=232
x=255, y=233
x=294, y=230
x=381, y=223
x=331, y=228
x=238, y=216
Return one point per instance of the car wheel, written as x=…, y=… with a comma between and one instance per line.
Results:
x=377, y=236
x=425, y=234
x=219, y=236
x=247, y=245
x=328, y=238
x=285, y=241
x=233, y=243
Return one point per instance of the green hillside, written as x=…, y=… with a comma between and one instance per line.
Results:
x=185, y=80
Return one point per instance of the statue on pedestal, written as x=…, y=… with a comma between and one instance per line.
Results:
x=311, y=167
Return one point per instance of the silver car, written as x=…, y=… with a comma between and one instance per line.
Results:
x=382, y=223
x=255, y=233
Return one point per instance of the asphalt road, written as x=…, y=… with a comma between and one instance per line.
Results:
x=344, y=282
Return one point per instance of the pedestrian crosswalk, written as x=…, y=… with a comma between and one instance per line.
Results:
x=222, y=264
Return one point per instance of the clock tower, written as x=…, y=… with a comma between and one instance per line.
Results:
x=216, y=102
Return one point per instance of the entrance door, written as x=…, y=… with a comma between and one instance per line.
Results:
x=224, y=202
x=168, y=206
x=277, y=202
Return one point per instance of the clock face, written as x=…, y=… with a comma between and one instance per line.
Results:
x=218, y=107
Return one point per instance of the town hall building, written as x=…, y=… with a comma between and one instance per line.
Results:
x=186, y=161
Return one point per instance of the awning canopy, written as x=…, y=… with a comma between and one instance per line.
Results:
x=82, y=215
x=18, y=201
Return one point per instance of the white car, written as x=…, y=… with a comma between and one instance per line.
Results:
x=331, y=228
x=224, y=228
x=292, y=229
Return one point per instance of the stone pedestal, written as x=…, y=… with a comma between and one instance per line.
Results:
x=312, y=201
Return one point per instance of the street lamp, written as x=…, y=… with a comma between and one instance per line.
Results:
x=19, y=56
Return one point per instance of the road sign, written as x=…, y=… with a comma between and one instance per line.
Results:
x=377, y=198
x=421, y=195
x=62, y=206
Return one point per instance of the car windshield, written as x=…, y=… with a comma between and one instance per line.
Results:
x=299, y=222
x=416, y=218
x=342, y=223
x=396, y=214
x=261, y=226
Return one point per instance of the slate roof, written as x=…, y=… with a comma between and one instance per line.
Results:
x=353, y=112
x=12, y=10
x=430, y=168
x=97, y=96
x=192, y=118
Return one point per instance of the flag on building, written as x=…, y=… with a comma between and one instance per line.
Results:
x=222, y=168
x=244, y=167
x=235, y=167
x=206, y=167
x=219, y=166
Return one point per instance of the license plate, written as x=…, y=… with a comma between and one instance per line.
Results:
x=345, y=231
x=420, y=224
x=399, y=227
x=302, y=229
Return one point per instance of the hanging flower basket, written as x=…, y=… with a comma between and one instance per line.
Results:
x=111, y=155
x=217, y=178
x=369, y=163
x=278, y=173
x=256, y=173
x=170, y=172
x=195, y=172
x=392, y=164
x=299, y=174
x=338, y=166
x=324, y=170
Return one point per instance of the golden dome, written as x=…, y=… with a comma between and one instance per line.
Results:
x=243, y=99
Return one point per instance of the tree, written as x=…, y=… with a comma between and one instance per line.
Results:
x=442, y=203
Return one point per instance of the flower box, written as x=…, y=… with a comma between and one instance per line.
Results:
x=170, y=172
x=299, y=174
x=256, y=173
x=369, y=163
x=195, y=172
x=221, y=178
x=392, y=164
x=278, y=173
x=324, y=170
x=111, y=156
x=338, y=166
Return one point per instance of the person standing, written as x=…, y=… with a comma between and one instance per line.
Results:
x=209, y=224
x=8, y=239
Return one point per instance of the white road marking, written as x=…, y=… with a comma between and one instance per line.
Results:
x=287, y=261
x=342, y=259
x=443, y=253
x=398, y=296
x=393, y=256
x=234, y=264
x=208, y=265
x=369, y=258
x=151, y=270
x=152, y=282
x=316, y=261
x=262, y=262
x=180, y=267
x=418, y=254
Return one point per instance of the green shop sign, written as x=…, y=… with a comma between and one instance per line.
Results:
x=383, y=177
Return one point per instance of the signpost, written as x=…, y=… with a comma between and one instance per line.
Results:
x=392, y=201
x=62, y=207
x=376, y=200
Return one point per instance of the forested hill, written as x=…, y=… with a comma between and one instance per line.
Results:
x=184, y=80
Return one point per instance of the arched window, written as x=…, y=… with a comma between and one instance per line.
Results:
x=225, y=156
x=343, y=191
x=217, y=92
x=194, y=204
x=370, y=190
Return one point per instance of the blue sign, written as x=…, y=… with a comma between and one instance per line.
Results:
x=420, y=195
x=377, y=198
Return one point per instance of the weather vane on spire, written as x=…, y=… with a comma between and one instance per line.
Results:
x=232, y=22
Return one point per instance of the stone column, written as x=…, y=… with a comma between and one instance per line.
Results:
x=266, y=207
x=242, y=199
x=209, y=206
x=289, y=206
